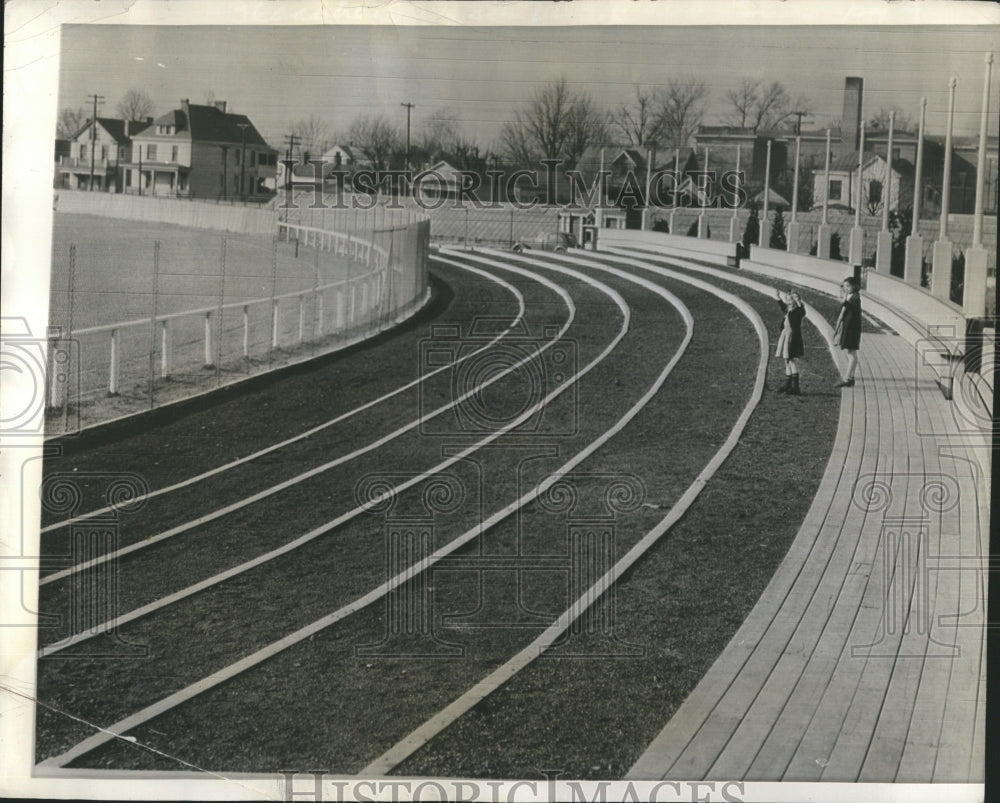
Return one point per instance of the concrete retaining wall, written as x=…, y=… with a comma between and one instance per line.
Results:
x=180, y=212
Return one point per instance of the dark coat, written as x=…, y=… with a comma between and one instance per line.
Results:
x=790, y=339
x=848, y=334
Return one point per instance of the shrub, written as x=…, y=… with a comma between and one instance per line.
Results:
x=751, y=234
x=957, y=277
x=778, y=239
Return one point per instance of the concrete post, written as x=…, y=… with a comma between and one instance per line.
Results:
x=703, y=215
x=857, y=246
x=645, y=206
x=765, y=223
x=883, y=255
x=941, y=264
x=823, y=233
x=975, y=258
x=792, y=233
x=734, y=224
x=915, y=243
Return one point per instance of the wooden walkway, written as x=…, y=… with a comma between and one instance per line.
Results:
x=864, y=659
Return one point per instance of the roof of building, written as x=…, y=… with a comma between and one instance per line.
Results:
x=211, y=124
x=849, y=162
x=116, y=129
x=353, y=152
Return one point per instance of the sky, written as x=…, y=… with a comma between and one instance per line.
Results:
x=278, y=75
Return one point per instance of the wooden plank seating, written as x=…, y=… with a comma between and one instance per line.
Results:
x=864, y=658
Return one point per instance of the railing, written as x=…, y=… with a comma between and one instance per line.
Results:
x=84, y=162
x=361, y=284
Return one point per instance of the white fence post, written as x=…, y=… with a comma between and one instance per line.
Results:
x=302, y=317
x=246, y=331
x=208, y=339
x=57, y=388
x=319, y=314
x=274, y=325
x=164, y=349
x=113, y=366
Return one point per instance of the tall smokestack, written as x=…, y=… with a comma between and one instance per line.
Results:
x=850, y=125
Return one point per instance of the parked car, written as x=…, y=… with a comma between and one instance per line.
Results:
x=553, y=241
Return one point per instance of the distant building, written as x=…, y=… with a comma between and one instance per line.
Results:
x=345, y=157
x=841, y=192
x=99, y=149
x=203, y=152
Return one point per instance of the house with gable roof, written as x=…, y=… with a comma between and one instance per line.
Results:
x=199, y=151
x=100, y=149
x=876, y=179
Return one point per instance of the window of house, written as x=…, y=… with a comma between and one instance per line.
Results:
x=236, y=155
x=253, y=158
x=173, y=153
x=150, y=151
x=874, y=191
x=896, y=154
x=104, y=151
x=836, y=190
x=83, y=151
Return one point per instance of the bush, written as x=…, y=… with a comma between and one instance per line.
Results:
x=693, y=230
x=835, y=246
x=900, y=224
x=957, y=277
x=751, y=234
x=661, y=226
x=778, y=239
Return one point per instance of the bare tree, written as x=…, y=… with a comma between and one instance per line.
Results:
x=209, y=97
x=71, y=122
x=558, y=124
x=313, y=134
x=587, y=126
x=441, y=131
x=377, y=136
x=901, y=122
x=637, y=122
x=135, y=105
x=759, y=106
x=680, y=109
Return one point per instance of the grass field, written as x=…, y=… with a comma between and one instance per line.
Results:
x=117, y=264
x=113, y=277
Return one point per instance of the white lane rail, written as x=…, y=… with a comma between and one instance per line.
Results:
x=163, y=602
x=515, y=324
x=160, y=707
x=410, y=743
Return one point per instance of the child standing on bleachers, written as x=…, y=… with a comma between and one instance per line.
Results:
x=790, y=340
x=847, y=333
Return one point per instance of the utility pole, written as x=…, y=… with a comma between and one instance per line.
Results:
x=798, y=121
x=409, y=108
x=243, y=156
x=290, y=140
x=93, y=137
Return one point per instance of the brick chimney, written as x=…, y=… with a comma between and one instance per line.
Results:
x=220, y=105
